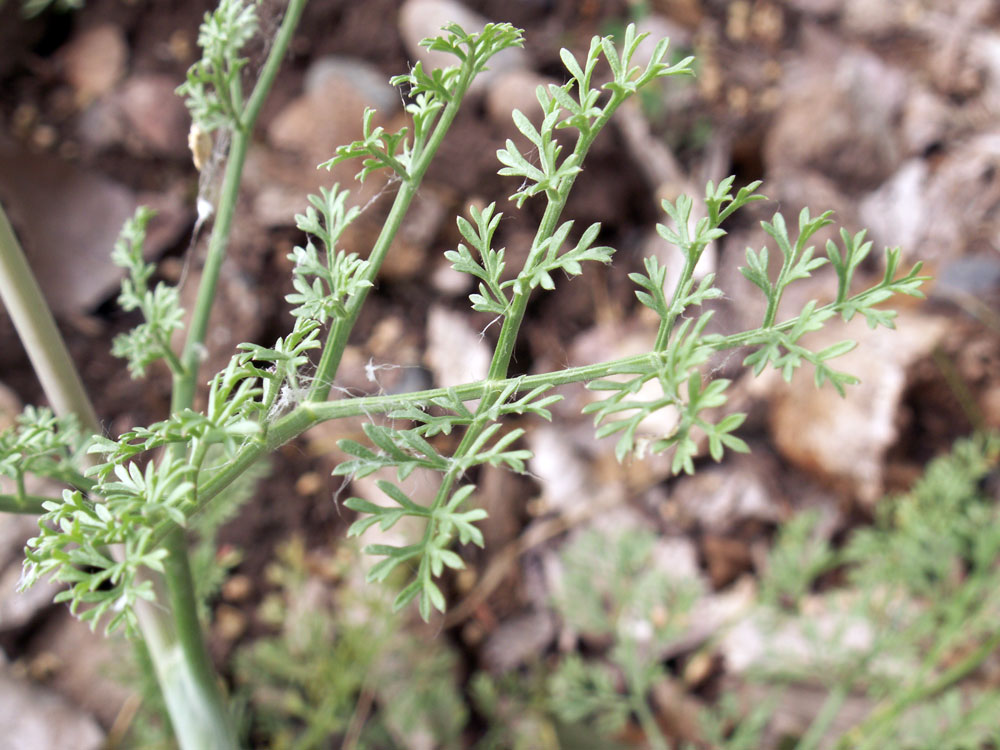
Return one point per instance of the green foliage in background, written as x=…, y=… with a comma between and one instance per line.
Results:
x=342, y=665
x=32, y=8
x=910, y=627
x=916, y=620
x=613, y=589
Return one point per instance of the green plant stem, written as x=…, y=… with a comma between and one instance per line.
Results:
x=183, y=669
x=341, y=329
x=868, y=734
x=667, y=324
x=454, y=474
x=772, y=311
x=828, y=712
x=171, y=358
x=186, y=382
x=193, y=698
x=180, y=657
x=310, y=413
x=513, y=318
x=37, y=330
x=26, y=504
x=650, y=727
x=265, y=79
x=514, y=315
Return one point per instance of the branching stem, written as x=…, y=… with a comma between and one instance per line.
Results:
x=310, y=413
x=341, y=329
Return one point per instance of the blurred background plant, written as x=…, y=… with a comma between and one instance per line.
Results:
x=894, y=626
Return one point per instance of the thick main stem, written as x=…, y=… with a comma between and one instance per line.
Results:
x=184, y=670
x=179, y=657
x=37, y=330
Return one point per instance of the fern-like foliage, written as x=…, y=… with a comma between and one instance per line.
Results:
x=213, y=91
x=155, y=477
x=430, y=94
x=76, y=536
x=612, y=589
x=674, y=374
x=926, y=599
x=336, y=277
x=134, y=497
x=160, y=306
x=43, y=445
x=671, y=377
x=406, y=450
x=304, y=681
x=492, y=296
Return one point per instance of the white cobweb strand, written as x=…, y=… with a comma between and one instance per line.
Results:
x=205, y=211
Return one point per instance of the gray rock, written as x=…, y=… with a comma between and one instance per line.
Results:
x=817, y=8
x=14, y=530
x=984, y=54
x=19, y=608
x=658, y=27
x=94, y=61
x=450, y=282
x=329, y=112
x=837, y=116
x=157, y=121
x=842, y=441
x=518, y=640
x=101, y=125
x=514, y=89
x=456, y=353
x=973, y=275
x=895, y=213
x=869, y=18
x=89, y=667
x=563, y=473
x=370, y=82
x=68, y=219
x=964, y=195
x=719, y=498
x=941, y=214
x=927, y=120
x=791, y=192
x=37, y=719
